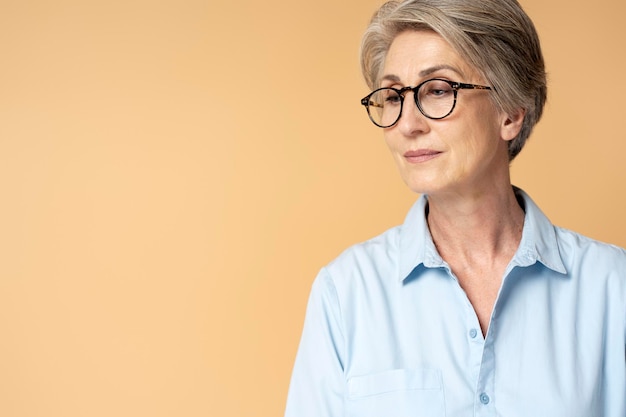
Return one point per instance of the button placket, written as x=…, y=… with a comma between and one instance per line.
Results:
x=484, y=405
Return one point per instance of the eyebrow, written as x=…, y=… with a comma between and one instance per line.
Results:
x=436, y=68
x=423, y=73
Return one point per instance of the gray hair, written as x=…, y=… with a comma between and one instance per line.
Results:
x=495, y=36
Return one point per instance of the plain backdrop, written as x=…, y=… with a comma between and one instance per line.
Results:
x=174, y=173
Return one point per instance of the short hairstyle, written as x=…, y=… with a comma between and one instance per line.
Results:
x=495, y=36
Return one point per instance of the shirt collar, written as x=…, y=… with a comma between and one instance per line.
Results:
x=538, y=244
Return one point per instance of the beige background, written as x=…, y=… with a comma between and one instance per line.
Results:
x=174, y=173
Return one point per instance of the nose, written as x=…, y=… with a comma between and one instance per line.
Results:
x=412, y=121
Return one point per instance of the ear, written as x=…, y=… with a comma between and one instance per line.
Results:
x=511, y=124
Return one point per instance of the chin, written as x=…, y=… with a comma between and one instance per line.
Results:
x=419, y=187
x=421, y=184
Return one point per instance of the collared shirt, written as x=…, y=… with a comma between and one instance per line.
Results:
x=389, y=332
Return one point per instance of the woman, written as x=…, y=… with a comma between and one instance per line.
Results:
x=477, y=304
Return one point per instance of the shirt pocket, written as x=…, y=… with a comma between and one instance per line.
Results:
x=396, y=393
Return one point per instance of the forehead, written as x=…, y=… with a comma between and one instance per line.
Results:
x=414, y=55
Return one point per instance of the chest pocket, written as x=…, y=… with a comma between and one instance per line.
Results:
x=396, y=393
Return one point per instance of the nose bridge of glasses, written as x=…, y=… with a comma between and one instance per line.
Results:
x=416, y=99
x=403, y=92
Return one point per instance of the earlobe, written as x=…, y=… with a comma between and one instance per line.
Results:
x=512, y=124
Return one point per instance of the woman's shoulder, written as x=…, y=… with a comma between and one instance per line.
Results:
x=367, y=260
x=578, y=249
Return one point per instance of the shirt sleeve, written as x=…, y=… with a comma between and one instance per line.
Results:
x=317, y=383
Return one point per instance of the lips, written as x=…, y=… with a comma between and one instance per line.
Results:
x=421, y=155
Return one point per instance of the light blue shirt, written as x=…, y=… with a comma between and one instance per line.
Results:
x=389, y=332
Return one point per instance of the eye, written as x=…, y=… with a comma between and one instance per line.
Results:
x=439, y=92
x=386, y=97
x=436, y=89
x=392, y=98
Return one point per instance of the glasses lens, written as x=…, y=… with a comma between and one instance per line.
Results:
x=436, y=98
x=384, y=107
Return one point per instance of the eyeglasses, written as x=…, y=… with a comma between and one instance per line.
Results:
x=435, y=99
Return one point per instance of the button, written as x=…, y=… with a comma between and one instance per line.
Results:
x=484, y=398
x=473, y=333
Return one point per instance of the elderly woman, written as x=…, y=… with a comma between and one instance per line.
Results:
x=477, y=305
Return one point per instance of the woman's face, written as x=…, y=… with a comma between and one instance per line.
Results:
x=464, y=152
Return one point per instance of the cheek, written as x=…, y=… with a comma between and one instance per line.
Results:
x=393, y=145
x=389, y=140
x=469, y=146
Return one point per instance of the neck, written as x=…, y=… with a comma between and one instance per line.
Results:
x=477, y=228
